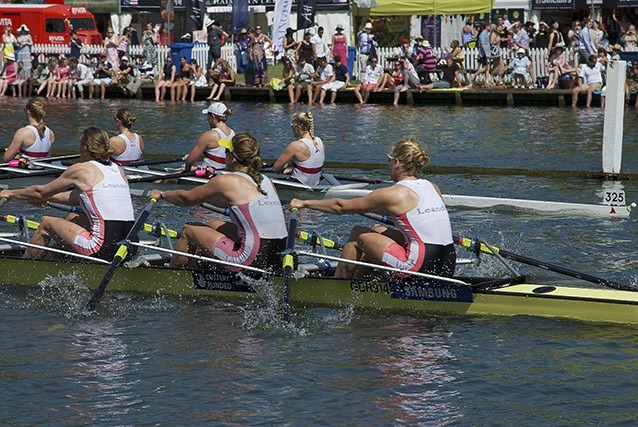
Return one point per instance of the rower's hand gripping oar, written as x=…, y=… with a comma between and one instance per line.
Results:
x=119, y=256
x=479, y=246
x=288, y=257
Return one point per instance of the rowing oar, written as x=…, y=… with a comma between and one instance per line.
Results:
x=147, y=228
x=473, y=244
x=199, y=173
x=289, y=262
x=154, y=162
x=365, y=180
x=119, y=256
x=16, y=163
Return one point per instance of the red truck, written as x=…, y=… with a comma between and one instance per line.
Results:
x=51, y=23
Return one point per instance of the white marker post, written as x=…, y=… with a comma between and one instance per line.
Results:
x=614, y=115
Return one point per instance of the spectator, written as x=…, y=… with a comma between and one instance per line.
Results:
x=111, y=42
x=38, y=76
x=215, y=39
x=590, y=80
x=290, y=46
x=79, y=76
x=340, y=44
x=497, y=66
x=521, y=37
x=8, y=43
x=75, y=44
x=504, y=35
x=145, y=75
x=226, y=78
x=165, y=80
x=104, y=74
x=541, y=38
x=366, y=46
x=149, y=40
x=18, y=83
x=632, y=82
x=451, y=77
x=573, y=37
x=469, y=35
x=304, y=49
x=123, y=42
x=258, y=56
x=198, y=78
x=558, y=66
x=318, y=47
x=179, y=88
x=25, y=43
x=304, y=74
x=63, y=78
x=630, y=39
x=124, y=74
x=406, y=50
x=324, y=74
x=341, y=80
x=370, y=79
x=423, y=58
x=391, y=80
x=9, y=74
x=586, y=46
x=47, y=77
x=484, y=54
x=410, y=79
x=288, y=78
x=520, y=67
x=556, y=38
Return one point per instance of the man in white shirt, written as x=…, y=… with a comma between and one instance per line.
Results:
x=325, y=74
x=590, y=80
x=304, y=74
x=145, y=75
x=81, y=76
x=365, y=44
x=318, y=47
x=371, y=77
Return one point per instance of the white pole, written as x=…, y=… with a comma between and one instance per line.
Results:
x=614, y=115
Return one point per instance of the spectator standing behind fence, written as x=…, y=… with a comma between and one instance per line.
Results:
x=25, y=43
x=215, y=37
x=8, y=43
x=75, y=44
x=110, y=43
x=497, y=66
x=469, y=34
x=145, y=75
x=81, y=75
x=318, y=47
x=586, y=46
x=149, y=40
x=484, y=54
x=340, y=44
x=630, y=39
x=304, y=50
x=366, y=47
x=123, y=42
x=258, y=56
x=241, y=50
x=290, y=46
x=556, y=38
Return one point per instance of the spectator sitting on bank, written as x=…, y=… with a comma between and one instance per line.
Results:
x=340, y=81
x=39, y=74
x=47, y=77
x=226, y=78
x=62, y=80
x=145, y=75
x=410, y=79
x=391, y=80
x=590, y=80
x=18, y=84
x=558, y=66
x=179, y=88
x=9, y=73
x=165, y=79
x=370, y=79
x=304, y=73
x=198, y=78
x=451, y=77
x=103, y=76
x=288, y=78
x=79, y=76
x=324, y=74
x=520, y=67
x=123, y=74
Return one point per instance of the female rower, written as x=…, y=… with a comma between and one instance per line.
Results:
x=128, y=147
x=256, y=233
x=423, y=239
x=303, y=158
x=208, y=144
x=34, y=141
x=101, y=190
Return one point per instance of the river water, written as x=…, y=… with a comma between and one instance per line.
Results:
x=156, y=361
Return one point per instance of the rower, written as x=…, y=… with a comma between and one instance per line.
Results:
x=256, y=233
x=303, y=158
x=423, y=239
x=208, y=144
x=34, y=141
x=101, y=190
x=128, y=147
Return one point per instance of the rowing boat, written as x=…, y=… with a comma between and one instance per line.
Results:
x=314, y=287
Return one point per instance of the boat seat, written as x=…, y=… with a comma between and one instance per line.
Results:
x=148, y=260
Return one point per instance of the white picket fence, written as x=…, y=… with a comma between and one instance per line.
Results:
x=91, y=53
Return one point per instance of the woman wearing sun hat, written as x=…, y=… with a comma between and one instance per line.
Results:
x=8, y=41
x=9, y=74
x=340, y=44
x=256, y=233
x=24, y=44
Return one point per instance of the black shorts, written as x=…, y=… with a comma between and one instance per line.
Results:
x=269, y=255
x=482, y=60
x=440, y=260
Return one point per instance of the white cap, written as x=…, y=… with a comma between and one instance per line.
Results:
x=125, y=58
x=216, y=108
x=368, y=26
x=521, y=50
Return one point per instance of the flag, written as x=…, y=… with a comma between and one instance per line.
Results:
x=195, y=10
x=306, y=13
x=282, y=14
x=240, y=15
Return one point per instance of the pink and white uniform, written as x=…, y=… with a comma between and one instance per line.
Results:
x=40, y=148
x=427, y=232
x=216, y=157
x=132, y=152
x=109, y=210
x=262, y=230
x=309, y=171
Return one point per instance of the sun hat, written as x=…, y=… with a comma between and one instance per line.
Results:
x=521, y=50
x=24, y=27
x=216, y=108
x=426, y=43
x=125, y=58
x=368, y=26
x=419, y=37
x=9, y=56
x=208, y=22
x=339, y=27
x=616, y=47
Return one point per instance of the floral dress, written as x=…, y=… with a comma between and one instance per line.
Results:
x=24, y=53
x=150, y=51
x=259, y=60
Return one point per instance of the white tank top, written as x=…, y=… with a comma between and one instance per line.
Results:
x=108, y=200
x=429, y=220
x=262, y=216
x=40, y=148
x=216, y=157
x=132, y=152
x=309, y=171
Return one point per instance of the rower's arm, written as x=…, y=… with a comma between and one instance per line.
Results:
x=380, y=201
x=41, y=193
x=15, y=145
x=286, y=157
x=199, y=148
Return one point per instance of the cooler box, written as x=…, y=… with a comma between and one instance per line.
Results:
x=181, y=49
